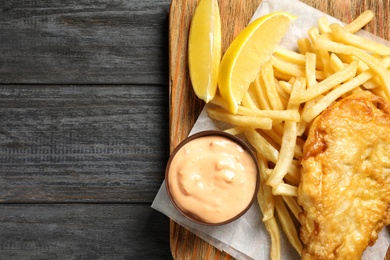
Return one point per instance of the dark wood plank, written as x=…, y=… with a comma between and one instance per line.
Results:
x=88, y=41
x=73, y=143
x=80, y=231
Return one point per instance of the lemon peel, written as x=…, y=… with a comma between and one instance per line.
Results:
x=248, y=52
x=204, y=49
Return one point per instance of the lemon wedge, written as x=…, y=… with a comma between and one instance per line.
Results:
x=204, y=49
x=248, y=52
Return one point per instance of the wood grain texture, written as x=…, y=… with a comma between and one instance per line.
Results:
x=83, y=231
x=83, y=128
x=184, y=106
x=84, y=42
x=82, y=143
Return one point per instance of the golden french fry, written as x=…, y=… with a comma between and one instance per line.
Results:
x=336, y=64
x=238, y=120
x=293, y=175
x=347, y=59
x=371, y=61
x=273, y=229
x=261, y=92
x=342, y=36
x=310, y=69
x=264, y=196
x=289, y=140
x=265, y=200
x=286, y=86
x=278, y=115
x=267, y=75
x=323, y=25
x=294, y=70
x=234, y=130
x=277, y=138
x=248, y=102
x=290, y=56
x=358, y=23
x=285, y=190
x=286, y=154
x=297, y=90
x=261, y=145
x=293, y=205
x=328, y=99
x=280, y=75
x=324, y=59
x=304, y=45
x=284, y=96
x=313, y=33
x=287, y=224
x=327, y=84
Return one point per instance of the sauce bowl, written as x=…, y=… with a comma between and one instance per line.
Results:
x=209, y=181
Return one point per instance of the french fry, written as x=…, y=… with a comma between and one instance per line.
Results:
x=238, y=120
x=313, y=33
x=290, y=56
x=265, y=200
x=328, y=99
x=342, y=36
x=265, y=197
x=323, y=25
x=286, y=86
x=284, y=96
x=261, y=92
x=273, y=230
x=304, y=45
x=278, y=115
x=287, y=224
x=371, y=61
x=267, y=75
x=310, y=69
x=358, y=23
x=234, y=130
x=336, y=64
x=327, y=84
x=278, y=139
x=285, y=190
x=286, y=154
x=261, y=145
x=294, y=70
x=248, y=102
x=293, y=205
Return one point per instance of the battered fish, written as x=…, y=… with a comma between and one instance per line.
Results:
x=345, y=185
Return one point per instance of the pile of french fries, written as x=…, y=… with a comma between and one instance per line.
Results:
x=291, y=90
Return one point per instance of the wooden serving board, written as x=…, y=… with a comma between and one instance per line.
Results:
x=184, y=105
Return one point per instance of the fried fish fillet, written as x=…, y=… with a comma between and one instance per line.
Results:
x=345, y=185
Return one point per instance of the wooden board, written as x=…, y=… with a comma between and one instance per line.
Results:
x=185, y=107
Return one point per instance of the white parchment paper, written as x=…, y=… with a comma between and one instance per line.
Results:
x=246, y=238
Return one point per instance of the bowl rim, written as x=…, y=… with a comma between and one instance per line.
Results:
x=232, y=137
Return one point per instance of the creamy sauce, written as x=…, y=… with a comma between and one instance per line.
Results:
x=212, y=178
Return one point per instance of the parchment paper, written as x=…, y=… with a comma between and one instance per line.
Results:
x=246, y=238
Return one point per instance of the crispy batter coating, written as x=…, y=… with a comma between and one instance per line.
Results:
x=345, y=185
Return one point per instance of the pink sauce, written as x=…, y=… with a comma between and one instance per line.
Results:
x=213, y=178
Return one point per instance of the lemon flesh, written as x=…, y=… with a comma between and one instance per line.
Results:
x=248, y=52
x=204, y=49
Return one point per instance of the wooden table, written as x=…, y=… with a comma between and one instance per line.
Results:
x=185, y=107
x=84, y=132
x=84, y=126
